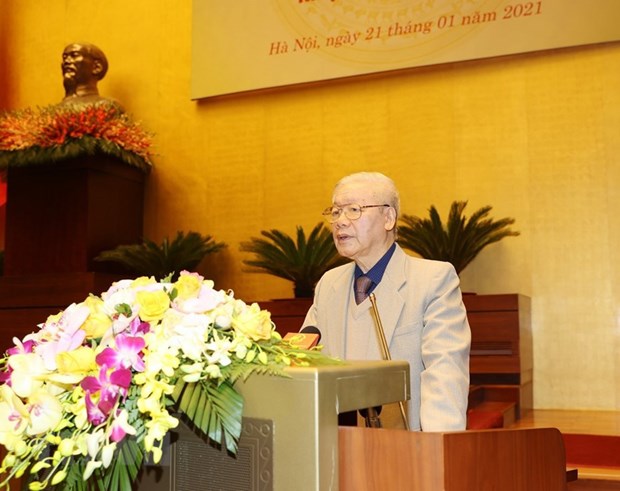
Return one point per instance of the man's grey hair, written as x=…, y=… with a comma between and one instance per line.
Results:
x=382, y=183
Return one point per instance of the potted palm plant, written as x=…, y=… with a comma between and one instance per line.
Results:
x=459, y=240
x=299, y=259
x=162, y=260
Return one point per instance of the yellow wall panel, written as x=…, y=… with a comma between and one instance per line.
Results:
x=535, y=136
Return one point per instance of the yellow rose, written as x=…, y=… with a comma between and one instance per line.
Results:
x=142, y=281
x=78, y=361
x=153, y=305
x=254, y=322
x=188, y=286
x=98, y=322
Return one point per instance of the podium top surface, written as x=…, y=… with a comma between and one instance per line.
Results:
x=336, y=388
x=349, y=368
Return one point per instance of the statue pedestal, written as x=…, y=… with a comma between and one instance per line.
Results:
x=58, y=218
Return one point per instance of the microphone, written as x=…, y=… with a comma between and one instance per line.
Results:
x=307, y=338
x=311, y=330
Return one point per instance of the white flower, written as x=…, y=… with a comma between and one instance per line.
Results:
x=241, y=350
x=107, y=453
x=213, y=371
x=207, y=300
x=116, y=286
x=193, y=372
x=91, y=466
x=93, y=443
x=190, y=334
x=223, y=321
x=220, y=351
x=28, y=373
x=14, y=417
x=45, y=412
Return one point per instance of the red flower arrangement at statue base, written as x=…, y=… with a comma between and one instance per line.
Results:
x=53, y=133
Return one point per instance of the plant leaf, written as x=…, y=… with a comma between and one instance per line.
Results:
x=459, y=241
x=302, y=260
x=218, y=415
x=167, y=258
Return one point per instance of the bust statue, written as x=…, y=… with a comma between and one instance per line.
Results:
x=83, y=65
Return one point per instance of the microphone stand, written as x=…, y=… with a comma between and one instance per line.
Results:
x=371, y=417
x=386, y=350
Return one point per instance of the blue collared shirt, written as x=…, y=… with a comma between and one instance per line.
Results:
x=376, y=272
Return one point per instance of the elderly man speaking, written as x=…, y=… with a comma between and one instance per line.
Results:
x=419, y=302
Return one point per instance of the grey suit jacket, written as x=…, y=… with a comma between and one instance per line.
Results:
x=425, y=323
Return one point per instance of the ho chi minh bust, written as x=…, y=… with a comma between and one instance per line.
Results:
x=83, y=65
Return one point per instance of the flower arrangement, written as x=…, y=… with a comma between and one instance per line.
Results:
x=85, y=399
x=53, y=133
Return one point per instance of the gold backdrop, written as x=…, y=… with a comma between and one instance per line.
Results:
x=535, y=136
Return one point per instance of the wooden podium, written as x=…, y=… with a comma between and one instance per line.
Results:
x=502, y=460
x=291, y=441
x=290, y=431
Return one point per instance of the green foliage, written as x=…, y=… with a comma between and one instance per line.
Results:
x=458, y=241
x=161, y=260
x=72, y=148
x=123, y=471
x=302, y=260
x=215, y=410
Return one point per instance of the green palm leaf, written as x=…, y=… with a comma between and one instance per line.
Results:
x=74, y=480
x=161, y=260
x=460, y=240
x=302, y=260
x=124, y=468
x=215, y=410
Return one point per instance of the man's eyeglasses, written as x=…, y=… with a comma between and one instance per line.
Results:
x=352, y=212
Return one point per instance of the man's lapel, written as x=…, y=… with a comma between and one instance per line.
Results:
x=388, y=294
x=340, y=298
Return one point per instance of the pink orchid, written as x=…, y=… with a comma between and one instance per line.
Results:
x=5, y=377
x=25, y=347
x=115, y=380
x=109, y=386
x=95, y=415
x=121, y=426
x=125, y=356
x=138, y=327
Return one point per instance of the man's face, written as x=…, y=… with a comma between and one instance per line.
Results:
x=367, y=238
x=77, y=65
